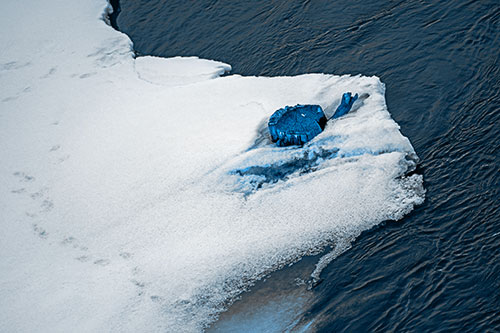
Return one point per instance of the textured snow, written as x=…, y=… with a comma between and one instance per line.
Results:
x=178, y=71
x=121, y=204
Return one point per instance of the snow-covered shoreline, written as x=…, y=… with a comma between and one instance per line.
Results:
x=119, y=211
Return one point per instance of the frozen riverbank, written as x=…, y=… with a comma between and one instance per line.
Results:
x=120, y=207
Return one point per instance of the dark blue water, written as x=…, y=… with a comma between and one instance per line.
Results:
x=439, y=268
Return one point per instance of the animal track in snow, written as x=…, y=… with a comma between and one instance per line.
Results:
x=102, y=262
x=23, y=177
x=54, y=148
x=13, y=65
x=50, y=73
x=39, y=231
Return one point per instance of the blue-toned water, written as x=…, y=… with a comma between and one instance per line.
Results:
x=439, y=268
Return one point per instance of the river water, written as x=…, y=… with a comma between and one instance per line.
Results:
x=439, y=268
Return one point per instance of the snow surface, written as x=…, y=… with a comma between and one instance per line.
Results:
x=123, y=204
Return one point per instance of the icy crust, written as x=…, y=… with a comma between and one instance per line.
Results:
x=366, y=130
x=133, y=204
x=178, y=70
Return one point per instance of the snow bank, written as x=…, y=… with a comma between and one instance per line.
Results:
x=141, y=195
x=178, y=71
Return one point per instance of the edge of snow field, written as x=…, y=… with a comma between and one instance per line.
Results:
x=121, y=210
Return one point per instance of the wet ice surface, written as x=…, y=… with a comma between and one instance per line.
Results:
x=136, y=194
x=275, y=304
